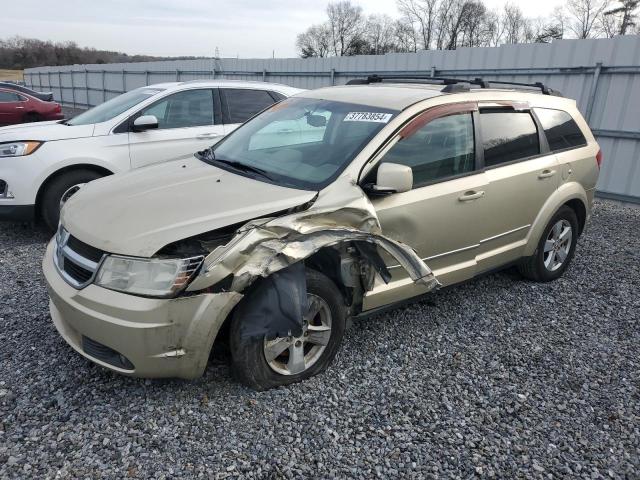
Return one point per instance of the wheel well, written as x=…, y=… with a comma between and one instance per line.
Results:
x=62, y=171
x=581, y=212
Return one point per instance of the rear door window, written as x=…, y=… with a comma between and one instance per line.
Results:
x=244, y=103
x=508, y=136
x=561, y=130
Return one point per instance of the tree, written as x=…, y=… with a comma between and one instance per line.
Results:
x=584, y=16
x=379, y=35
x=315, y=42
x=346, y=25
x=622, y=18
x=422, y=13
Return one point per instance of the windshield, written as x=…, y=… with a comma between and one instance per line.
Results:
x=303, y=142
x=114, y=107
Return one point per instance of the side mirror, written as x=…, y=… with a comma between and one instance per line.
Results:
x=393, y=178
x=145, y=122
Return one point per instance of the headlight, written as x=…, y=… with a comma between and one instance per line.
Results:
x=18, y=149
x=153, y=277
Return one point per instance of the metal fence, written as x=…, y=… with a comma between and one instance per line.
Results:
x=603, y=75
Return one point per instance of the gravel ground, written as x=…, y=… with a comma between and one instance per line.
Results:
x=497, y=378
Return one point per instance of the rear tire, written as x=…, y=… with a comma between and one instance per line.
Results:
x=59, y=186
x=555, y=250
x=249, y=355
x=31, y=117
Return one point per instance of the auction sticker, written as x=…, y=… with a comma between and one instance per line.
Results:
x=368, y=117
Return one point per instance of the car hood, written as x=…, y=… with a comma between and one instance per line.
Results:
x=139, y=212
x=45, y=131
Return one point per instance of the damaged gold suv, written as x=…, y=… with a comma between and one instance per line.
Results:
x=329, y=205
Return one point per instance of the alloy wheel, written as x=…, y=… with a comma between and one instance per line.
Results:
x=293, y=355
x=558, y=245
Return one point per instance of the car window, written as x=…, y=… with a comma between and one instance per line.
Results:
x=9, y=97
x=442, y=148
x=114, y=107
x=244, y=103
x=291, y=131
x=561, y=130
x=508, y=136
x=191, y=108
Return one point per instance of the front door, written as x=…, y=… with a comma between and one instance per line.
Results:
x=440, y=216
x=186, y=124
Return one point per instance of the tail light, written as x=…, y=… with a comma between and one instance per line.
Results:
x=58, y=108
x=599, y=159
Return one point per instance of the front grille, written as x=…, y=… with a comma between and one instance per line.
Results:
x=87, y=251
x=76, y=261
x=106, y=354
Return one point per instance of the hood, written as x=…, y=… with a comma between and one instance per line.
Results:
x=139, y=212
x=44, y=131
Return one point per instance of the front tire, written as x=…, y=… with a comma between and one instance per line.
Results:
x=61, y=188
x=555, y=250
x=263, y=364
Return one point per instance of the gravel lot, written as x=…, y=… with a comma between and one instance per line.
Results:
x=496, y=378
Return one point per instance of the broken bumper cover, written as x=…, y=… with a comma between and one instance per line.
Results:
x=142, y=337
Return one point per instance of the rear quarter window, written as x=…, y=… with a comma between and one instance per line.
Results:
x=561, y=130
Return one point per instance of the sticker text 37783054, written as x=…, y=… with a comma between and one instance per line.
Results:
x=368, y=117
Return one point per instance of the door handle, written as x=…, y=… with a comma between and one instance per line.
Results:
x=204, y=136
x=20, y=107
x=471, y=195
x=546, y=173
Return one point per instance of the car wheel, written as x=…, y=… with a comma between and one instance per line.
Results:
x=263, y=363
x=555, y=248
x=31, y=117
x=59, y=190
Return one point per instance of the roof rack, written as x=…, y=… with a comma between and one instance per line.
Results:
x=451, y=85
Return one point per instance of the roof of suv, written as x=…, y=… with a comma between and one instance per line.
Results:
x=402, y=94
x=393, y=96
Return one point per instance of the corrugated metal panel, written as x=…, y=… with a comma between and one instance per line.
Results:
x=567, y=65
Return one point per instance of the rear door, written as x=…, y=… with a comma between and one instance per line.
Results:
x=11, y=108
x=240, y=104
x=187, y=123
x=522, y=174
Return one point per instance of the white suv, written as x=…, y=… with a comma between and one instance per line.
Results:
x=42, y=165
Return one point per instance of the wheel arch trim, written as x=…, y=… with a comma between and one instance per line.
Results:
x=565, y=194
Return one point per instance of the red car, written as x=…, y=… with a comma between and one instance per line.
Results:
x=19, y=107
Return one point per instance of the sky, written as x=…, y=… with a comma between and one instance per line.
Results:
x=244, y=28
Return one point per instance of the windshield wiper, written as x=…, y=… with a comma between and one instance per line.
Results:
x=209, y=156
x=243, y=167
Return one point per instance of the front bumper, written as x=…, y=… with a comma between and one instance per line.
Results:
x=159, y=337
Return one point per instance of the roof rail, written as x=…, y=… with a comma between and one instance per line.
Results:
x=451, y=85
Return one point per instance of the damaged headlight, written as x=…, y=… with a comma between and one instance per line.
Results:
x=154, y=277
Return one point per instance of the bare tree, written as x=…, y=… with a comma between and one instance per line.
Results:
x=315, y=42
x=379, y=34
x=405, y=37
x=346, y=25
x=621, y=19
x=515, y=24
x=584, y=16
x=422, y=13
